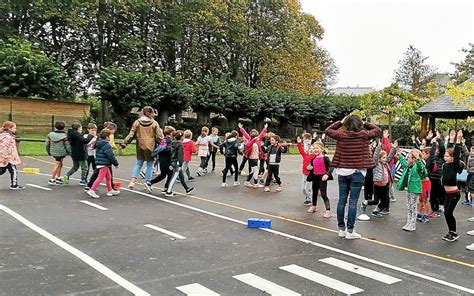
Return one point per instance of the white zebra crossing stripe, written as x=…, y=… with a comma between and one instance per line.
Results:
x=361, y=270
x=196, y=290
x=264, y=285
x=322, y=279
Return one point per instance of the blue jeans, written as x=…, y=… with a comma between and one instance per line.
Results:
x=138, y=167
x=352, y=183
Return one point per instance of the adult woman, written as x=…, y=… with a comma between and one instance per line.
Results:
x=147, y=132
x=351, y=161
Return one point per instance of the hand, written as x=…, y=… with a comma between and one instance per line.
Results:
x=394, y=144
x=430, y=135
x=323, y=136
x=240, y=125
x=122, y=146
x=309, y=167
x=171, y=167
x=452, y=135
x=325, y=178
x=344, y=119
x=265, y=125
x=438, y=134
x=416, y=154
x=298, y=140
x=385, y=134
x=399, y=151
x=413, y=138
x=459, y=136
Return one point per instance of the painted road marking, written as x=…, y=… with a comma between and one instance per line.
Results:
x=361, y=270
x=164, y=231
x=93, y=205
x=84, y=257
x=39, y=187
x=322, y=279
x=196, y=290
x=264, y=285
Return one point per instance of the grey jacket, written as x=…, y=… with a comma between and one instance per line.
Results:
x=378, y=169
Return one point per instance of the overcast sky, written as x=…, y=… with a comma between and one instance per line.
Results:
x=368, y=38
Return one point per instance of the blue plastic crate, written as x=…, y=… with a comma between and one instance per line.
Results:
x=259, y=223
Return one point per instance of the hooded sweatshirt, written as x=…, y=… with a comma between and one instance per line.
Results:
x=231, y=147
x=177, y=153
x=57, y=144
x=147, y=133
x=8, y=149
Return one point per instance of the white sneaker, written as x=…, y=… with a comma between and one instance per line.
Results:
x=113, y=193
x=470, y=219
x=470, y=247
x=92, y=194
x=224, y=185
x=470, y=232
x=342, y=233
x=353, y=235
x=363, y=217
x=237, y=183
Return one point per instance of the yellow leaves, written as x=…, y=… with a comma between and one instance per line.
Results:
x=462, y=94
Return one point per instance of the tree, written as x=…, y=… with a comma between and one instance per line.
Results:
x=465, y=69
x=414, y=74
x=26, y=72
x=462, y=94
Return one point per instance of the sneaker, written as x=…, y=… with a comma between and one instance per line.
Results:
x=327, y=214
x=243, y=173
x=189, y=190
x=205, y=171
x=92, y=194
x=258, y=185
x=393, y=199
x=170, y=194
x=66, y=180
x=17, y=187
x=466, y=203
x=451, y=236
x=213, y=170
x=164, y=190
x=470, y=219
x=441, y=209
x=385, y=212
x=432, y=214
x=363, y=206
x=52, y=182
x=342, y=233
x=279, y=188
x=363, y=217
x=248, y=184
x=86, y=188
x=408, y=228
x=224, y=185
x=131, y=185
x=353, y=235
x=190, y=179
x=266, y=189
x=470, y=247
x=236, y=183
x=113, y=193
x=425, y=219
x=148, y=187
x=142, y=175
x=59, y=181
x=377, y=214
x=312, y=209
x=307, y=202
x=83, y=183
x=470, y=232
x=199, y=173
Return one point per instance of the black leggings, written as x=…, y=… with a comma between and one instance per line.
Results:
x=436, y=195
x=229, y=163
x=11, y=168
x=450, y=201
x=319, y=185
x=369, y=185
x=165, y=172
x=203, y=163
x=242, y=164
x=381, y=197
x=273, y=172
x=91, y=162
x=211, y=156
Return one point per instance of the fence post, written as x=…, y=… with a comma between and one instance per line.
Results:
x=10, y=115
x=52, y=122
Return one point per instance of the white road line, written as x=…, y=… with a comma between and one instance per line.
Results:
x=196, y=290
x=93, y=205
x=307, y=241
x=84, y=257
x=322, y=279
x=361, y=270
x=164, y=231
x=264, y=285
x=39, y=187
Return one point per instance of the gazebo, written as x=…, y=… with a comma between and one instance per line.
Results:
x=441, y=107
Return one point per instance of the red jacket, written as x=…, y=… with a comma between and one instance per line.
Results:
x=189, y=148
x=250, y=142
x=306, y=159
x=352, y=148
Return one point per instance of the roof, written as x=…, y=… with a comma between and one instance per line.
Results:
x=443, y=107
x=352, y=91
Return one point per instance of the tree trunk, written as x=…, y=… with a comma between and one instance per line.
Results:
x=179, y=117
x=203, y=118
x=163, y=116
x=284, y=125
x=105, y=110
x=259, y=122
x=307, y=125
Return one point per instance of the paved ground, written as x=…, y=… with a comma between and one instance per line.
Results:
x=52, y=243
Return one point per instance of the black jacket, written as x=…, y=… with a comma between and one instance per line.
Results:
x=275, y=150
x=231, y=147
x=78, y=144
x=177, y=153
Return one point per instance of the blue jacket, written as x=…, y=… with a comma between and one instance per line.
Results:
x=104, y=155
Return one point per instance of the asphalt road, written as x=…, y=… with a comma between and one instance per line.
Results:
x=52, y=243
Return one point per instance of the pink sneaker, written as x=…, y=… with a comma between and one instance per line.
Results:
x=247, y=184
x=279, y=188
x=327, y=214
x=312, y=209
x=266, y=189
x=258, y=185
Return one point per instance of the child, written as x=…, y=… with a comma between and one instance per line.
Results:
x=424, y=208
x=450, y=169
x=177, y=160
x=231, y=146
x=273, y=163
x=78, y=152
x=9, y=157
x=434, y=165
x=57, y=146
x=104, y=159
x=165, y=160
x=470, y=174
x=92, y=130
x=413, y=172
x=319, y=168
x=202, y=144
x=307, y=154
x=214, y=144
x=253, y=152
x=382, y=178
x=189, y=148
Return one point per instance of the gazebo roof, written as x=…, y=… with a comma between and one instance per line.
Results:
x=443, y=107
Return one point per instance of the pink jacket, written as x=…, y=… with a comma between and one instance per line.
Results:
x=8, y=150
x=250, y=142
